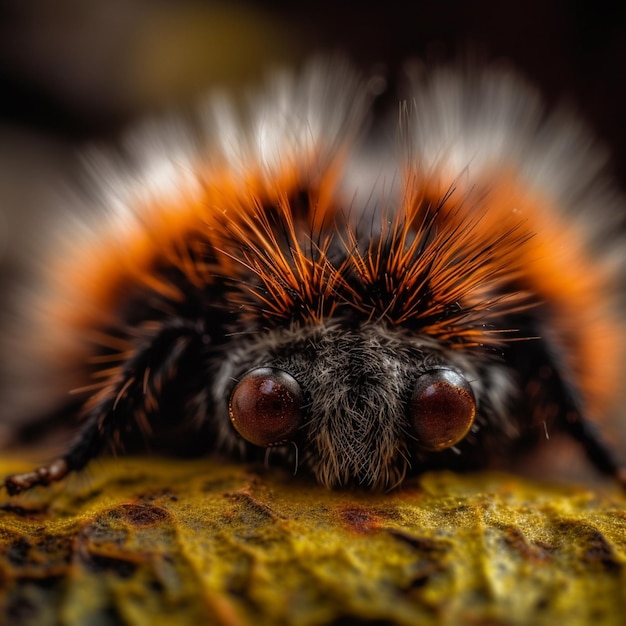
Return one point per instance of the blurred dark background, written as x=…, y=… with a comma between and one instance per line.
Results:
x=77, y=71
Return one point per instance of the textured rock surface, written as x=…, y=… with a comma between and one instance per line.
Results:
x=161, y=542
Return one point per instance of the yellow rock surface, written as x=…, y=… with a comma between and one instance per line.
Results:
x=155, y=541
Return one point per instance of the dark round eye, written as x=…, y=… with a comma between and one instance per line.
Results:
x=442, y=409
x=265, y=407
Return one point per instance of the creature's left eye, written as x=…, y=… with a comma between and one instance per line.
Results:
x=265, y=407
x=442, y=408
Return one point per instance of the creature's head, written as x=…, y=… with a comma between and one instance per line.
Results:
x=362, y=405
x=366, y=345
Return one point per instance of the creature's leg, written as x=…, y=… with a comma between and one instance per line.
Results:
x=132, y=393
x=554, y=397
x=598, y=452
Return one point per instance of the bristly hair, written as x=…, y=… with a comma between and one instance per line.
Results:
x=445, y=278
x=297, y=280
x=442, y=277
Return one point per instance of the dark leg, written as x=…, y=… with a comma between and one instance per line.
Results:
x=132, y=394
x=597, y=451
x=554, y=399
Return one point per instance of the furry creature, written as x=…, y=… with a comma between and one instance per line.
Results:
x=276, y=279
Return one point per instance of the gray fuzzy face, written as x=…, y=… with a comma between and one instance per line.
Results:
x=355, y=423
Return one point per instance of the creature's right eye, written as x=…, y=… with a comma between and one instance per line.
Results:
x=266, y=407
x=442, y=408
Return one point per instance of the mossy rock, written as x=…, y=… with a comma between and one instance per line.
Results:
x=154, y=541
